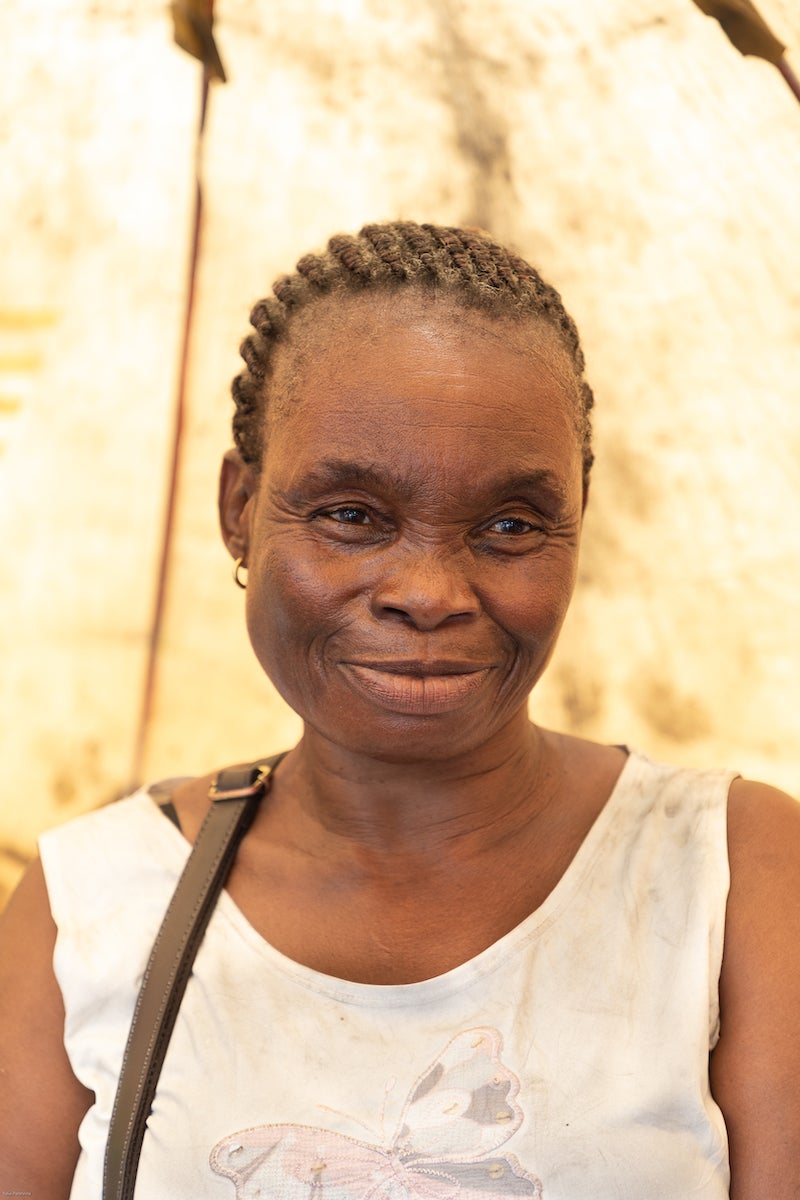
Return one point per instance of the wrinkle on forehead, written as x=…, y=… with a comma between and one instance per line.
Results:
x=329, y=330
x=435, y=414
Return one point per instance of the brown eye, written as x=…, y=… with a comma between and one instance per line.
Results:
x=348, y=514
x=513, y=526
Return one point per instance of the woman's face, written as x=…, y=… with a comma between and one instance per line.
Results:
x=412, y=537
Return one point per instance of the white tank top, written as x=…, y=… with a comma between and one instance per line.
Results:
x=568, y=1061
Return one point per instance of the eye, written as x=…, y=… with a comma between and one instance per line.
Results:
x=358, y=524
x=512, y=533
x=348, y=514
x=511, y=526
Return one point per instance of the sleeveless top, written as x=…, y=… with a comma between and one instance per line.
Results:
x=568, y=1061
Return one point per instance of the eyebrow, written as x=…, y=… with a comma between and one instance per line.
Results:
x=337, y=472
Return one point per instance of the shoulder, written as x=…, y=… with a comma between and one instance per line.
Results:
x=756, y=1063
x=41, y=1101
x=133, y=816
x=762, y=927
x=93, y=855
x=109, y=876
x=763, y=917
x=106, y=820
x=763, y=828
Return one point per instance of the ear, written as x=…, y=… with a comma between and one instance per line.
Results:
x=237, y=487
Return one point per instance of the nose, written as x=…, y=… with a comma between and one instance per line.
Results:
x=425, y=588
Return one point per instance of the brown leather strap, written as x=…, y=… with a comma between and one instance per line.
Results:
x=236, y=795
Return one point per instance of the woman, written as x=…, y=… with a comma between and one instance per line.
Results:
x=458, y=954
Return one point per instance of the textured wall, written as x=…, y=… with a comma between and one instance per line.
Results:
x=626, y=148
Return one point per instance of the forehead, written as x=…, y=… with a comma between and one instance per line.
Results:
x=422, y=382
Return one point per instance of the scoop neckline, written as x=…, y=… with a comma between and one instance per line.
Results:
x=401, y=995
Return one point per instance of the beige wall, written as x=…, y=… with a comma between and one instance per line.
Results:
x=626, y=148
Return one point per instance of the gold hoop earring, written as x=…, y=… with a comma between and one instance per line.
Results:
x=237, y=579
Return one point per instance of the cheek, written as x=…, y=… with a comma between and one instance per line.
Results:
x=295, y=597
x=530, y=605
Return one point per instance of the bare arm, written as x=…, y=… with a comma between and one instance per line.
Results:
x=755, y=1068
x=41, y=1101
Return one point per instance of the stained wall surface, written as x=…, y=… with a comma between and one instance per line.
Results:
x=626, y=148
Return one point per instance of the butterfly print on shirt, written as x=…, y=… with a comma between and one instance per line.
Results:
x=457, y=1115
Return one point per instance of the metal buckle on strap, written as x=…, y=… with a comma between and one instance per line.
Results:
x=236, y=783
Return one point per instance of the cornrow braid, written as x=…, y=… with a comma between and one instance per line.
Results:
x=464, y=265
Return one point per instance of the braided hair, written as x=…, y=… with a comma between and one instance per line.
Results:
x=463, y=265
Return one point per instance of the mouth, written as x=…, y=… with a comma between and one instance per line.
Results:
x=415, y=687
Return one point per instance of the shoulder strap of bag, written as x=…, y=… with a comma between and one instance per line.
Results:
x=235, y=796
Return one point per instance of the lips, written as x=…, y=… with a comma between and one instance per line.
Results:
x=416, y=687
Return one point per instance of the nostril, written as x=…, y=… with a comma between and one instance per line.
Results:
x=423, y=617
x=396, y=612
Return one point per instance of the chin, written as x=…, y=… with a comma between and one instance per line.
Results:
x=437, y=739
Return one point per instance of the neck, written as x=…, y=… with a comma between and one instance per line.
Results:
x=456, y=806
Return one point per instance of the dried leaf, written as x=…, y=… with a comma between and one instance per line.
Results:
x=193, y=23
x=745, y=27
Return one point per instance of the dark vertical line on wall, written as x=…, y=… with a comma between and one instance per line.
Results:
x=480, y=126
x=790, y=77
x=168, y=526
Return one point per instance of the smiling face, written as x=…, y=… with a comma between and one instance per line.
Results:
x=412, y=536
